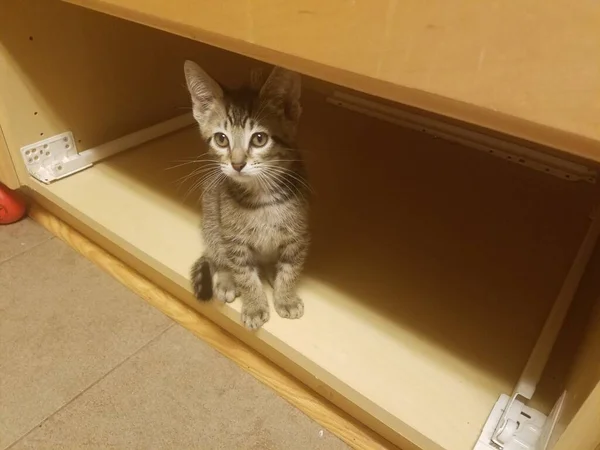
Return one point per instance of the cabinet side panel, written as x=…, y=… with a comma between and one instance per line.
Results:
x=578, y=424
x=566, y=354
x=8, y=175
x=583, y=432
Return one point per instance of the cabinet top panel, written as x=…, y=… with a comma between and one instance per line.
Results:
x=529, y=68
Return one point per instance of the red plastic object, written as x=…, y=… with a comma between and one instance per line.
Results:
x=12, y=207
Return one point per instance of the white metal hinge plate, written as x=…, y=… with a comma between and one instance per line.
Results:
x=520, y=429
x=53, y=158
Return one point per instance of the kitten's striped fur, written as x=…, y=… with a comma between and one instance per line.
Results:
x=254, y=218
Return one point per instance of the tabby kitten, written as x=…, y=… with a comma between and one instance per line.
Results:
x=255, y=203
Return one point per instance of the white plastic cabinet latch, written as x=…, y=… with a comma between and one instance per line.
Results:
x=511, y=426
x=53, y=158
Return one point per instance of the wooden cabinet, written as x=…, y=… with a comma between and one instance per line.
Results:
x=454, y=172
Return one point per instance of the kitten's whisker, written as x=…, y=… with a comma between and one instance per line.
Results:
x=259, y=114
x=296, y=149
x=179, y=182
x=202, y=179
x=189, y=158
x=195, y=160
x=203, y=162
x=294, y=175
x=192, y=160
x=289, y=184
x=299, y=188
x=270, y=184
x=191, y=190
x=213, y=185
x=195, y=172
x=263, y=183
x=195, y=187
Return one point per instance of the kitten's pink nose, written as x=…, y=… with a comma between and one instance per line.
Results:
x=239, y=166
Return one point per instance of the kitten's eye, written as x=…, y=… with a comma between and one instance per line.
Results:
x=259, y=139
x=221, y=140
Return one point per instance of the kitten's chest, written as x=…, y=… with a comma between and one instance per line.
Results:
x=265, y=229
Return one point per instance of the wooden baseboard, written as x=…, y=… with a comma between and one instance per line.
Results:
x=312, y=404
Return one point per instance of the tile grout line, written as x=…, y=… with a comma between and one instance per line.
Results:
x=27, y=250
x=43, y=421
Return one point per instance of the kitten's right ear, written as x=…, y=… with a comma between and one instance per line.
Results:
x=206, y=93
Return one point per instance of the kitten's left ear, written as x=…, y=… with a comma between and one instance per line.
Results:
x=205, y=92
x=281, y=91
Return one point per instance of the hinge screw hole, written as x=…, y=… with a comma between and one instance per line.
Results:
x=67, y=146
x=45, y=145
x=59, y=167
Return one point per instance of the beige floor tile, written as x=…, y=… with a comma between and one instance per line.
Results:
x=179, y=393
x=63, y=325
x=19, y=237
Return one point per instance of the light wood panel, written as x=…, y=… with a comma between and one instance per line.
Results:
x=8, y=176
x=520, y=68
x=460, y=237
x=315, y=406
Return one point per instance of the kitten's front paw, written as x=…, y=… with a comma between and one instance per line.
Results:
x=290, y=308
x=225, y=294
x=255, y=317
x=224, y=288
